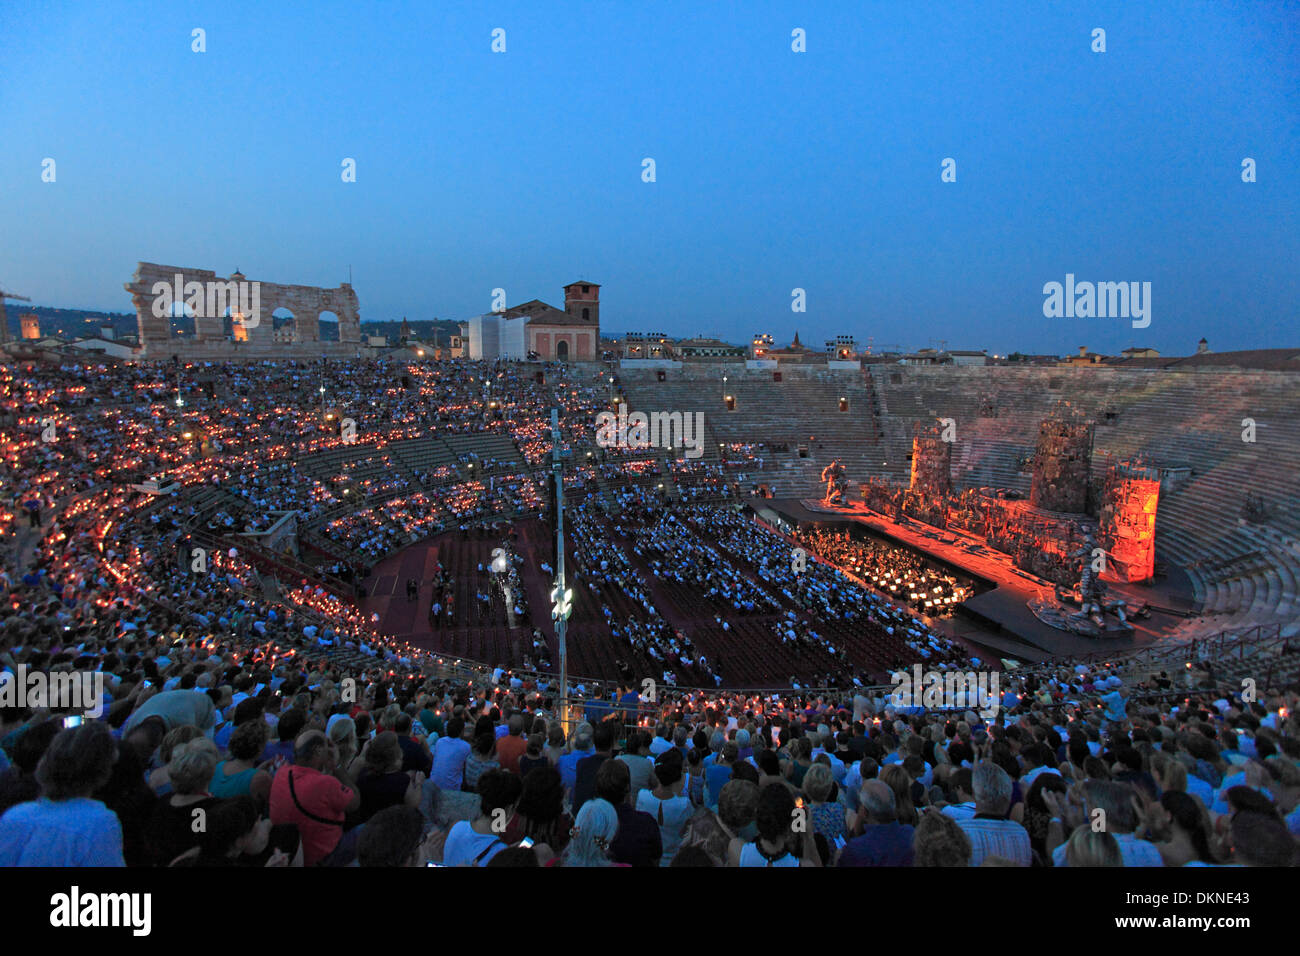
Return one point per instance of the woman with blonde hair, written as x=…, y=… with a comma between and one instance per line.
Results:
x=827, y=815
x=171, y=827
x=897, y=779
x=159, y=782
x=388, y=720
x=1169, y=774
x=342, y=732
x=1092, y=848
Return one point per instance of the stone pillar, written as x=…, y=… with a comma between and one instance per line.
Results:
x=344, y=304
x=1127, y=532
x=1061, y=463
x=931, y=460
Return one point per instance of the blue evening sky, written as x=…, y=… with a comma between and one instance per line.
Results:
x=775, y=169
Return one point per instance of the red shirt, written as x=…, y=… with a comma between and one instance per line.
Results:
x=321, y=795
x=509, y=749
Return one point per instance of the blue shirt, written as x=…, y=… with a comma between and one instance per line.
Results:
x=77, y=832
x=1235, y=780
x=568, y=767
x=1116, y=706
x=881, y=844
x=715, y=778
x=631, y=702
x=449, y=756
x=1196, y=787
x=465, y=846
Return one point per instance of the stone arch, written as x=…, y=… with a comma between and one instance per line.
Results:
x=562, y=350
x=284, y=325
x=329, y=326
x=201, y=335
x=181, y=321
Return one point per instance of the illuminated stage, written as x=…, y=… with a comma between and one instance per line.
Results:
x=999, y=619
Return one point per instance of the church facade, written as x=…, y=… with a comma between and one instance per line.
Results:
x=571, y=335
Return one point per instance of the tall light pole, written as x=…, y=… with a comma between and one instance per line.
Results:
x=561, y=596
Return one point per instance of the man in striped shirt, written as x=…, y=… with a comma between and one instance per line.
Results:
x=989, y=830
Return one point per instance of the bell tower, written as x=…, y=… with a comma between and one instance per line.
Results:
x=582, y=301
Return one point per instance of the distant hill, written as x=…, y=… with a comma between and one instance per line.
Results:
x=72, y=323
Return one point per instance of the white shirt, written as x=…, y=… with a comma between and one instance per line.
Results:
x=1028, y=779
x=675, y=810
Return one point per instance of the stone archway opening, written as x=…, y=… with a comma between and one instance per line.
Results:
x=562, y=349
x=284, y=326
x=328, y=323
x=180, y=321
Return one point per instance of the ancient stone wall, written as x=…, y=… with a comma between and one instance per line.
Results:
x=1127, y=515
x=931, y=460
x=1061, y=464
x=256, y=339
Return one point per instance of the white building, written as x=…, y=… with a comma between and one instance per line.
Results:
x=493, y=336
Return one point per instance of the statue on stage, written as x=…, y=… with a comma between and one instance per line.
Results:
x=1090, y=592
x=836, y=486
x=1088, y=596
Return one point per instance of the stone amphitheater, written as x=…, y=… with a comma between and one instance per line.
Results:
x=1244, y=563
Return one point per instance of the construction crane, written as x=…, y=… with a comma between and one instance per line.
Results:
x=4, y=312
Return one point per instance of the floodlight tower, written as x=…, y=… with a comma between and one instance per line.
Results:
x=561, y=596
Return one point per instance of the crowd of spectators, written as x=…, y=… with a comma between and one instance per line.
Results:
x=303, y=736
x=296, y=758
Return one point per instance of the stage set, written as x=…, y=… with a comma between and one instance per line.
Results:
x=1069, y=571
